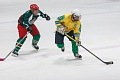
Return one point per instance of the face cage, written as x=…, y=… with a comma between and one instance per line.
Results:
x=76, y=16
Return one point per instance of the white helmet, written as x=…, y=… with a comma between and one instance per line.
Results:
x=76, y=12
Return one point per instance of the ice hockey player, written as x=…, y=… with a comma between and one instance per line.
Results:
x=69, y=24
x=26, y=24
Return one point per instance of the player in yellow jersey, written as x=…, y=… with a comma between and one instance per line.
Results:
x=71, y=25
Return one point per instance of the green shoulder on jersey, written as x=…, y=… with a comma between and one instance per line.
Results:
x=27, y=19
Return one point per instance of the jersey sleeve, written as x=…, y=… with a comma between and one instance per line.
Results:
x=77, y=32
x=59, y=20
x=41, y=14
x=26, y=20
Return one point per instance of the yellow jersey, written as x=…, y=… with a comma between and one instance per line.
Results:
x=66, y=20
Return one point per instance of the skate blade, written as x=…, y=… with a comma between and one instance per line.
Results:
x=14, y=55
x=74, y=59
x=78, y=58
x=35, y=49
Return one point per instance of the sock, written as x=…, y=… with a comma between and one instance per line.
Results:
x=74, y=47
x=17, y=48
x=35, y=40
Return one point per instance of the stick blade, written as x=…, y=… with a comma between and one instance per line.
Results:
x=110, y=62
x=1, y=59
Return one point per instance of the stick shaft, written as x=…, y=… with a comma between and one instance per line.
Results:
x=16, y=46
x=85, y=48
x=92, y=53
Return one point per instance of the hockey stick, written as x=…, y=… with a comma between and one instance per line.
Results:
x=107, y=63
x=2, y=59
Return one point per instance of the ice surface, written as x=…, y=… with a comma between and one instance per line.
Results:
x=100, y=34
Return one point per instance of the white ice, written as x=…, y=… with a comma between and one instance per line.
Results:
x=100, y=34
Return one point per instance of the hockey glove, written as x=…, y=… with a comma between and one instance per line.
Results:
x=47, y=17
x=61, y=30
x=78, y=43
x=29, y=29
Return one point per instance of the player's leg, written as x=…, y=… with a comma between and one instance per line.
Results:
x=22, y=32
x=36, y=36
x=59, y=41
x=75, y=49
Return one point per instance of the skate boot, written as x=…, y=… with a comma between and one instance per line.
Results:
x=63, y=49
x=15, y=54
x=77, y=56
x=36, y=47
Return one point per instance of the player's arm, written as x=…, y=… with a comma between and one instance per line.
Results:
x=26, y=22
x=77, y=32
x=47, y=17
x=59, y=23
